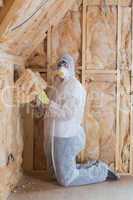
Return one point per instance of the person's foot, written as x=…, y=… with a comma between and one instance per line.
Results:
x=112, y=176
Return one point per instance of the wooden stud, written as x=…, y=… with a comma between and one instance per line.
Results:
x=9, y=57
x=89, y=71
x=117, y=156
x=28, y=153
x=49, y=53
x=84, y=24
x=87, y=38
x=1, y=3
x=38, y=69
x=4, y=10
x=109, y=2
x=131, y=100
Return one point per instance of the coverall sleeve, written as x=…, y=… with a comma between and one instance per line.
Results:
x=66, y=110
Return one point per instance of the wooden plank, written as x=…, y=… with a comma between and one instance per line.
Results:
x=109, y=2
x=89, y=71
x=131, y=111
x=39, y=155
x=9, y=57
x=4, y=10
x=84, y=24
x=38, y=69
x=27, y=119
x=117, y=156
x=1, y=3
x=88, y=38
x=49, y=53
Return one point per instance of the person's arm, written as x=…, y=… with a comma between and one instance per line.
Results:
x=65, y=111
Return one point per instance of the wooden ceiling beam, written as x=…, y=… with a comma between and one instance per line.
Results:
x=4, y=8
x=1, y=3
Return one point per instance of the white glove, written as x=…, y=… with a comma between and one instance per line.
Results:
x=42, y=96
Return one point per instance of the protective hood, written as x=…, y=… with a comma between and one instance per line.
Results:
x=71, y=64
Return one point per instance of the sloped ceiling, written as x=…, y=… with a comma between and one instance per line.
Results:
x=27, y=22
x=4, y=8
x=1, y=3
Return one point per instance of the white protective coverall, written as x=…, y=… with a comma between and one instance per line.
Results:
x=66, y=112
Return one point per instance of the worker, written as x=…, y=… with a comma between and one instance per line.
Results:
x=66, y=109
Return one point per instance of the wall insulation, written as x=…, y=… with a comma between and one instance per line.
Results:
x=100, y=40
x=11, y=136
x=64, y=38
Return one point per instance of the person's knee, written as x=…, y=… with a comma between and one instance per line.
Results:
x=64, y=182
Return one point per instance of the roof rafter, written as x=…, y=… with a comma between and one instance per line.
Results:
x=1, y=3
x=27, y=22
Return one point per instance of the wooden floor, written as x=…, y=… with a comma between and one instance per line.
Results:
x=36, y=189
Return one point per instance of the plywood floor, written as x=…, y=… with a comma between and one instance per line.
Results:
x=36, y=189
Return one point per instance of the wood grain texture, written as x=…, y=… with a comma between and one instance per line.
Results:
x=125, y=90
x=1, y=3
x=109, y=2
x=5, y=8
x=39, y=154
x=131, y=101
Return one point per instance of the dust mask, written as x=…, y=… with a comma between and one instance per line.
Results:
x=63, y=73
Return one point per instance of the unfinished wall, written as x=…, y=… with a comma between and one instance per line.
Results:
x=11, y=142
x=107, y=50
x=38, y=63
x=65, y=38
x=101, y=51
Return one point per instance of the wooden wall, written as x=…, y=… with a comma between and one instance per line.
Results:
x=99, y=37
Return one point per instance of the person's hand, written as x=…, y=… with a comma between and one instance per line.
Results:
x=42, y=96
